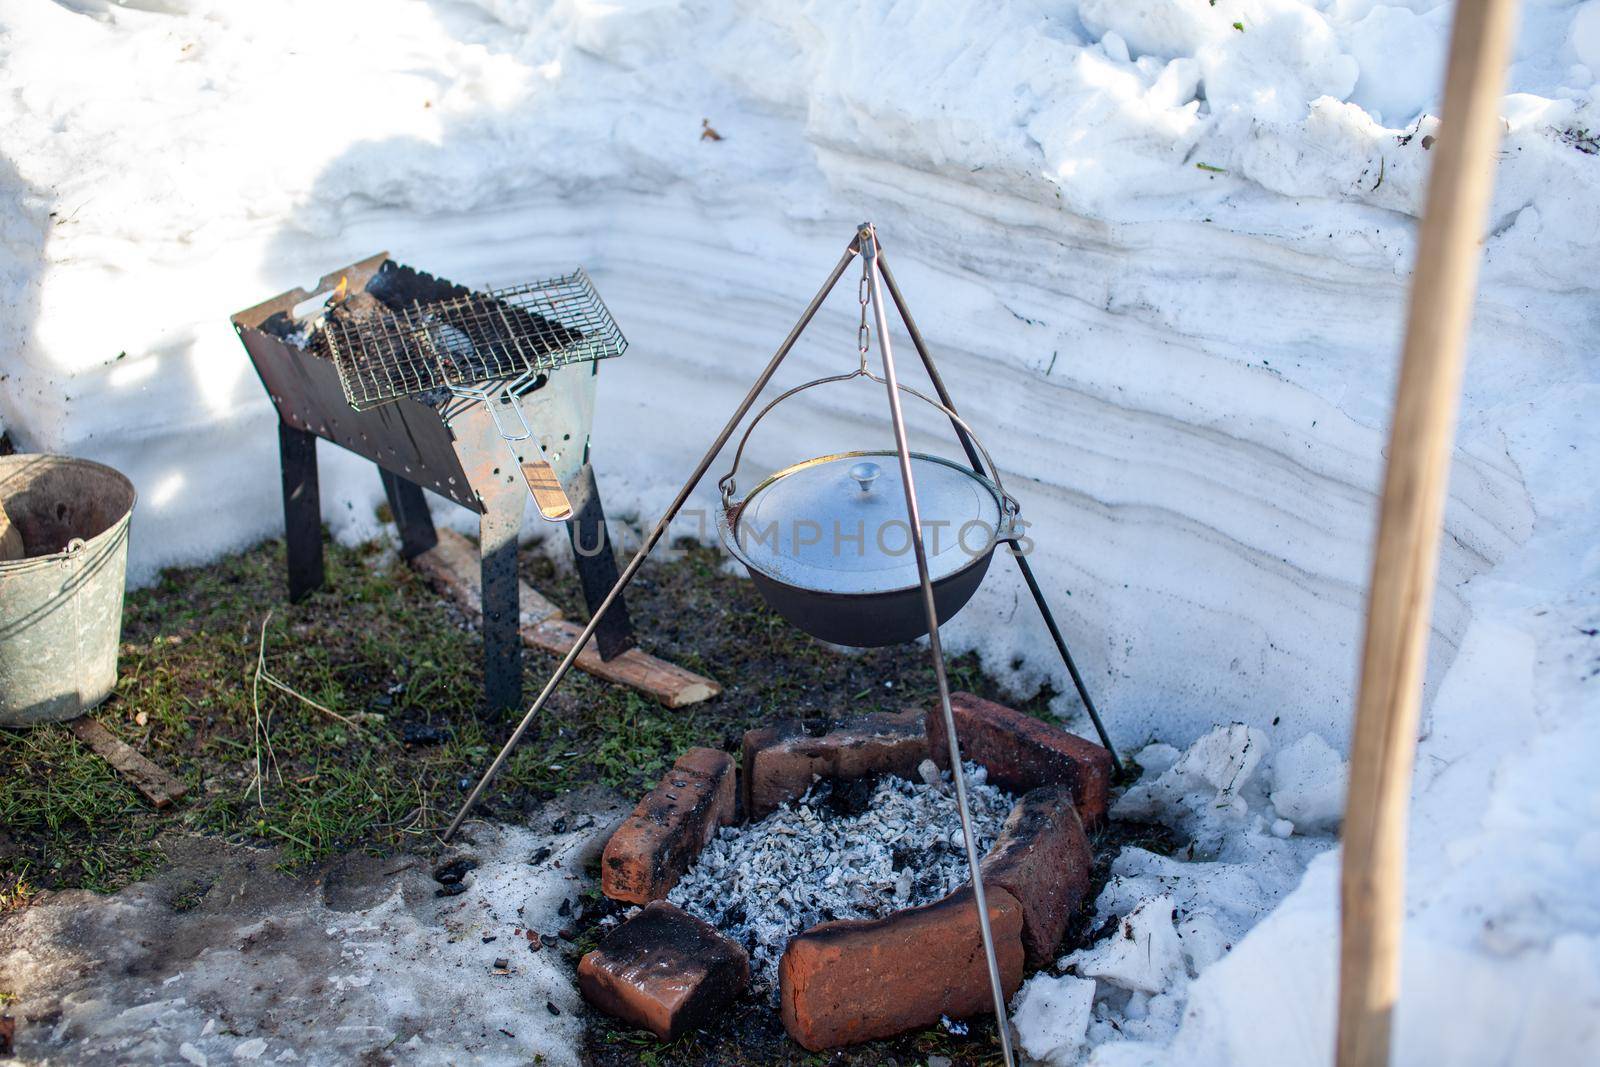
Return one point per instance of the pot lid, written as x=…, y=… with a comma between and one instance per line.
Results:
x=837, y=524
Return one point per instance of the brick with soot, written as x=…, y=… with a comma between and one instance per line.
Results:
x=780, y=761
x=1042, y=859
x=858, y=980
x=652, y=848
x=1023, y=753
x=664, y=970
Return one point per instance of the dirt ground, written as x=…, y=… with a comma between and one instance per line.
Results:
x=304, y=823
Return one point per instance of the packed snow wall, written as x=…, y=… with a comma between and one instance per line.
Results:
x=1162, y=264
x=1160, y=250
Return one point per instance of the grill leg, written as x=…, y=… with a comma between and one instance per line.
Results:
x=597, y=564
x=498, y=527
x=302, y=510
x=411, y=515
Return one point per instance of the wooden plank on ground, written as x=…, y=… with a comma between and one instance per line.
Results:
x=666, y=682
x=452, y=567
x=158, y=787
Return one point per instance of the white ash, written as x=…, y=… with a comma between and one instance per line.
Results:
x=843, y=851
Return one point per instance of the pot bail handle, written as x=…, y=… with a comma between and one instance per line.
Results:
x=729, y=485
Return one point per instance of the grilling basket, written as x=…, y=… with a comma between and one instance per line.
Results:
x=827, y=543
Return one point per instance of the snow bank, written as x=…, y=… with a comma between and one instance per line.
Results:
x=1182, y=296
x=1175, y=917
x=1052, y=1017
x=1161, y=250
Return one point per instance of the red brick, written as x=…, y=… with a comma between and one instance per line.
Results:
x=757, y=741
x=664, y=970
x=857, y=980
x=1023, y=753
x=652, y=848
x=780, y=761
x=1042, y=859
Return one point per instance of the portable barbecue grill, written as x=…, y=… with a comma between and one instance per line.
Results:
x=480, y=397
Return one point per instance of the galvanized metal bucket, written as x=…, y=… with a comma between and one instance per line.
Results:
x=61, y=605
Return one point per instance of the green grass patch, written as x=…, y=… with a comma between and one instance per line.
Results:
x=380, y=647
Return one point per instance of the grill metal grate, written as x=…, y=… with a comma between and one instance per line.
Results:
x=383, y=354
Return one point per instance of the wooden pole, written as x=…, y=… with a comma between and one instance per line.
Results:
x=1384, y=745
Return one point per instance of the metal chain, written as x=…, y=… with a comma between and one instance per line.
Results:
x=864, y=295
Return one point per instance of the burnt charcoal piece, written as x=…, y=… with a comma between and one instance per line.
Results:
x=664, y=970
x=280, y=325
x=451, y=872
x=398, y=286
x=420, y=733
x=848, y=797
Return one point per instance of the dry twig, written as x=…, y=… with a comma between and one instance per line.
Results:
x=261, y=734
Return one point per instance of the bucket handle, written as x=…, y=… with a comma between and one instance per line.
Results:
x=65, y=558
x=729, y=486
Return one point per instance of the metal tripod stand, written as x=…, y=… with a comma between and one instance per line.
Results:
x=878, y=278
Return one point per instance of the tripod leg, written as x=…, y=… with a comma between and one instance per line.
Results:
x=866, y=239
x=1066, y=656
x=650, y=542
x=1022, y=561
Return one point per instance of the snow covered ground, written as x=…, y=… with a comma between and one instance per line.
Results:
x=1161, y=250
x=222, y=959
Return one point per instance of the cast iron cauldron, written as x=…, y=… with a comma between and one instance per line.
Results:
x=827, y=543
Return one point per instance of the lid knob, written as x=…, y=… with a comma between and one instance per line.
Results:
x=865, y=474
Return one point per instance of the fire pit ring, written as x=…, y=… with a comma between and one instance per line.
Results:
x=853, y=980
